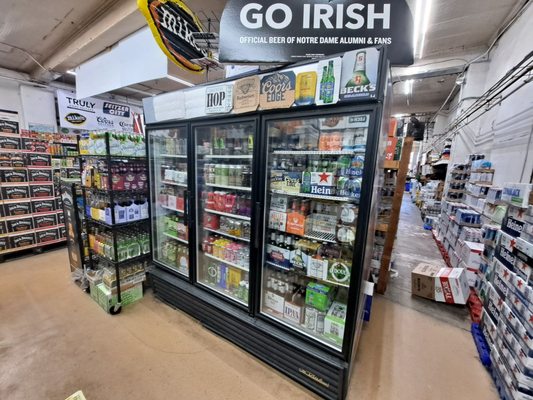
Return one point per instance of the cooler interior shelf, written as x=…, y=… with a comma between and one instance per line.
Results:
x=226, y=262
x=226, y=234
x=244, y=218
x=315, y=196
x=240, y=188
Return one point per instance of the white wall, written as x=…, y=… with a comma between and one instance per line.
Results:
x=503, y=133
x=33, y=104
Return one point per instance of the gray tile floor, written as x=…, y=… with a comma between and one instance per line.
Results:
x=414, y=245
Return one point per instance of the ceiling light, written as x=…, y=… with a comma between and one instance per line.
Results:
x=182, y=81
x=399, y=116
x=422, y=17
x=71, y=72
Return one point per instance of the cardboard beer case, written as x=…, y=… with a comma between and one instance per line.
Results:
x=447, y=285
x=49, y=235
x=20, y=224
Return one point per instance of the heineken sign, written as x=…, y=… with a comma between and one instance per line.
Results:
x=273, y=31
x=173, y=25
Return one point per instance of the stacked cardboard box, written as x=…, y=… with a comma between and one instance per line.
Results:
x=506, y=290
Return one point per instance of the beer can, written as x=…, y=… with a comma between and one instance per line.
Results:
x=305, y=88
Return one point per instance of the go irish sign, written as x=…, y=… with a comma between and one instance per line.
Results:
x=277, y=31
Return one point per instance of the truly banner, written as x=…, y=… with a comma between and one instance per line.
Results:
x=94, y=114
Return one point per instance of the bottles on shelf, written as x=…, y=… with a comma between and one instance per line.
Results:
x=229, y=226
x=124, y=175
x=120, y=144
x=237, y=175
x=131, y=243
x=175, y=226
x=339, y=176
x=172, y=198
x=231, y=281
x=230, y=140
x=125, y=208
x=315, y=308
x=225, y=249
x=175, y=255
x=228, y=203
x=174, y=173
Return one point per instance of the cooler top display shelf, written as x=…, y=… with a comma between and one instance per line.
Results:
x=315, y=196
x=232, y=157
x=243, y=217
x=222, y=233
x=64, y=156
x=184, y=156
x=317, y=152
x=226, y=262
x=123, y=225
x=240, y=188
x=175, y=238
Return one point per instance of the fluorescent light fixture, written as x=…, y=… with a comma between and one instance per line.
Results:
x=408, y=87
x=182, y=81
x=71, y=72
x=422, y=17
x=399, y=116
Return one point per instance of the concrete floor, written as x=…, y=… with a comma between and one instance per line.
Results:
x=54, y=340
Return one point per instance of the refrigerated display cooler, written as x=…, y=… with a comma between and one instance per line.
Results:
x=263, y=223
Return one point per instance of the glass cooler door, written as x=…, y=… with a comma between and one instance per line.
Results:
x=170, y=222
x=224, y=155
x=314, y=177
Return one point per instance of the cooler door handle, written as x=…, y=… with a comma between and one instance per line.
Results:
x=257, y=217
x=186, y=207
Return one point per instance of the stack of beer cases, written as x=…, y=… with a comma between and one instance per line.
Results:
x=31, y=209
x=506, y=289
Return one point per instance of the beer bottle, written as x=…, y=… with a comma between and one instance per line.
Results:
x=330, y=84
x=323, y=82
x=359, y=71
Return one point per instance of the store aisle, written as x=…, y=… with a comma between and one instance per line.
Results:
x=54, y=340
x=414, y=245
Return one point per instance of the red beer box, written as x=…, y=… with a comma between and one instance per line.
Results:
x=20, y=224
x=15, y=175
x=43, y=221
x=49, y=235
x=39, y=160
x=19, y=208
x=9, y=143
x=42, y=206
x=15, y=192
x=42, y=190
x=40, y=175
x=22, y=240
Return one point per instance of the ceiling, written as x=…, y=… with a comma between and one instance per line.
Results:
x=62, y=34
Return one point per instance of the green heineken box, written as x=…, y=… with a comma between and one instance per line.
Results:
x=335, y=321
x=318, y=296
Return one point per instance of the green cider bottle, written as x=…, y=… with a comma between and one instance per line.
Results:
x=359, y=71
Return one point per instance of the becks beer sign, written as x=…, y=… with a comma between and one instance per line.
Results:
x=294, y=30
x=173, y=25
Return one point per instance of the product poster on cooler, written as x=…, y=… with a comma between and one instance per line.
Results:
x=359, y=74
x=329, y=76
